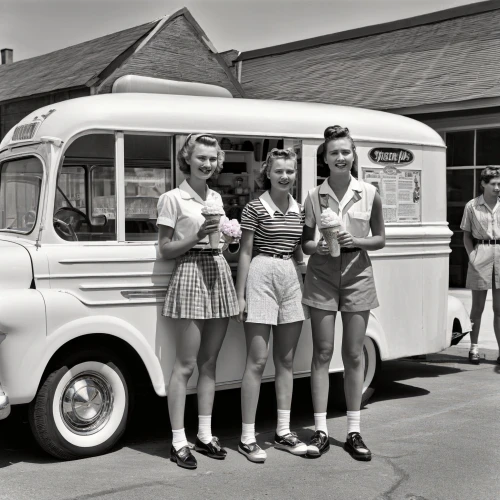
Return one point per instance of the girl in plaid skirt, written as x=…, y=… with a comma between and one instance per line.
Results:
x=200, y=296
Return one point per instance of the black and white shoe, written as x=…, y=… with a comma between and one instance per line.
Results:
x=253, y=452
x=318, y=445
x=291, y=443
x=355, y=446
x=212, y=449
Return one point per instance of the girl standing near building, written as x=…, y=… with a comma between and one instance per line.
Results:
x=481, y=226
x=269, y=290
x=200, y=296
x=344, y=283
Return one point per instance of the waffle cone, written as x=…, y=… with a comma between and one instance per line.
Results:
x=330, y=236
x=213, y=238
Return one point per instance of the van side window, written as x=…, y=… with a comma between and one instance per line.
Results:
x=85, y=204
x=148, y=174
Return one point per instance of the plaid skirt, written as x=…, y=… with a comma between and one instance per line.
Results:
x=201, y=287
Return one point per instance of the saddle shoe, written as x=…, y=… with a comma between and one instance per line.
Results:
x=212, y=449
x=355, y=446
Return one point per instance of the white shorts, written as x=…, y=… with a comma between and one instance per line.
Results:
x=274, y=292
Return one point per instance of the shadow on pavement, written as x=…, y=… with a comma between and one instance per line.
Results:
x=149, y=432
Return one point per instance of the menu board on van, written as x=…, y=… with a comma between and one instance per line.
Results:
x=399, y=190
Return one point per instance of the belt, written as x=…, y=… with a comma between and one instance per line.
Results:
x=489, y=242
x=284, y=256
x=349, y=250
x=206, y=251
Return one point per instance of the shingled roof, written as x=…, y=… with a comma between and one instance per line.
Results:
x=67, y=68
x=98, y=62
x=444, y=57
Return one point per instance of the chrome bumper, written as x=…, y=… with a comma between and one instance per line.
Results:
x=4, y=404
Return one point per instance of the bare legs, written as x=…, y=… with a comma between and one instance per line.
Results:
x=478, y=302
x=323, y=330
x=352, y=356
x=496, y=314
x=285, y=342
x=198, y=343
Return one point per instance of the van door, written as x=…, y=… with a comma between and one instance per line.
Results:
x=105, y=220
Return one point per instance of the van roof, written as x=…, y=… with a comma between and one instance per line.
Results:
x=220, y=116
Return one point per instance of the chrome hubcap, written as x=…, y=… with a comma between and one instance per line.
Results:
x=86, y=403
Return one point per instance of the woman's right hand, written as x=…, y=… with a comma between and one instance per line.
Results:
x=322, y=248
x=242, y=314
x=207, y=228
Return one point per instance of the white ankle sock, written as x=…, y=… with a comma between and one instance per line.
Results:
x=205, y=428
x=179, y=439
x=353, y=421
x=474, y=348
x=283, y=427
x=248, y=433
x=320, y=422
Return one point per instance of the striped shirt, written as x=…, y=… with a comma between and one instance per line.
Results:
x=480, y=220
x=275, y=231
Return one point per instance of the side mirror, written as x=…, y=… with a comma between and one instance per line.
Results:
x=99, y=220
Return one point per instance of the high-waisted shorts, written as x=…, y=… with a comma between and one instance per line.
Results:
x=274, y=291
x=201, y=287
x=343, y=283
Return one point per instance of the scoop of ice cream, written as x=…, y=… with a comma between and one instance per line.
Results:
x=230, y=227
x=211, y=207
x=330, y=219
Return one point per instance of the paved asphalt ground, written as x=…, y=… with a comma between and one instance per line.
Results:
x=433, y=426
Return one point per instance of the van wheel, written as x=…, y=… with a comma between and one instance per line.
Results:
x=372, y=370
x=81, y=408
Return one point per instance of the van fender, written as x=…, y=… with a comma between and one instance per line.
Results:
x=108, y=325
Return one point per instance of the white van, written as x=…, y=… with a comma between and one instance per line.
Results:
x=81, y=280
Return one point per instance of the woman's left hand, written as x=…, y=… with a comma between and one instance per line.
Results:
x=346, y=239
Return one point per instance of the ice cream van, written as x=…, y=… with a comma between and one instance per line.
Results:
x=81, y=280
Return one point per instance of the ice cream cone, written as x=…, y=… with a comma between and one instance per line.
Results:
x=213, y=238
x=330, y=236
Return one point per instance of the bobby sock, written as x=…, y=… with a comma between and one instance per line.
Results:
x=320, y=422
x=179, y=439
x=283, y=427
x=248, y=433
x=205, y=428
x=474, y=348
x=353, y=421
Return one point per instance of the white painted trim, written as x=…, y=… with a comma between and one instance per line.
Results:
x=120, y=186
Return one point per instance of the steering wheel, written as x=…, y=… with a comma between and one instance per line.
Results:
x=69, y=230
x=65, y=230
x=76, y=211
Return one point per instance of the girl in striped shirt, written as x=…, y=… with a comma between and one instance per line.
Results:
x=269, y=290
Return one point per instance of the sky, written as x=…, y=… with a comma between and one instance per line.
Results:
x=35, y=27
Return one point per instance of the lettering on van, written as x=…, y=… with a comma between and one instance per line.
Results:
x=392, y=156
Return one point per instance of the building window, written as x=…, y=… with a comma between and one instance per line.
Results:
x=460, y=148
x=488, y=147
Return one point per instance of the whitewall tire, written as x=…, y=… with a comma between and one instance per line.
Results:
x=81, y=408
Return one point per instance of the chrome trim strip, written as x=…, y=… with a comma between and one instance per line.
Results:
x=121, y=286
x=99, y=275
x=107, y=261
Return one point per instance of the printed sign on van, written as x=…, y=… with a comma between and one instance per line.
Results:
x=391, y=156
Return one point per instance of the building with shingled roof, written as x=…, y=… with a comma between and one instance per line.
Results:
x=174, y=47
x=440, y=68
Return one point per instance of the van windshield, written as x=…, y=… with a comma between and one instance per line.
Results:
x=20, y=185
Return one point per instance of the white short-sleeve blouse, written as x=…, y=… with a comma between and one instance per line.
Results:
x=180, y=209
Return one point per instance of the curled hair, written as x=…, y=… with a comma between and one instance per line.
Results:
x=488, y=173
x=187, y=150
x=337, y=132
x=274, y=154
